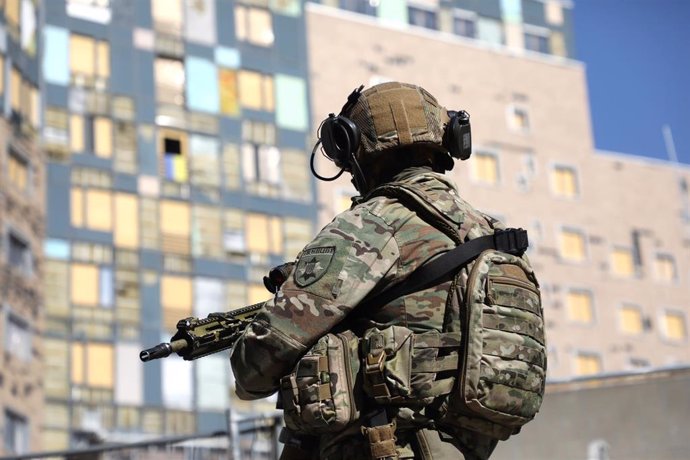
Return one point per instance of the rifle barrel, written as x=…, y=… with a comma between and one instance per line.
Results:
x=162, y=350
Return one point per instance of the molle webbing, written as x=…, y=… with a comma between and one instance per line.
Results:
x=381, y=441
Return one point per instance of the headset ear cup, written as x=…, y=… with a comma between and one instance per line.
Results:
x=457, y=138
x=340, y=138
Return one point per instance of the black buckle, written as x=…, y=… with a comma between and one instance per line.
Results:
x=511, y=240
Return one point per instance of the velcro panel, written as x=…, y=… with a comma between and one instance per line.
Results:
x=511, y=295
x=514, y=346
x=508, y=321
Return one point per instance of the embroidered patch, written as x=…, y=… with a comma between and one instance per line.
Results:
x=313, y=264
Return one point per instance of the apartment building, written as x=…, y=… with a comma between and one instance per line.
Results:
x=176, y=133
x=610, y=233
x=22, y=226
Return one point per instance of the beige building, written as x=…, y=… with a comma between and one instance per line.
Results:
x=610, y=233
x=22, y=210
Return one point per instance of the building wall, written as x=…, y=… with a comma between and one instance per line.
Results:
x=636, y=417
x=22, y=228
x=176, y=135
x=610, y=197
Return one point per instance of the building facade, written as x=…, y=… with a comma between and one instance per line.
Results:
x=176, y=133
x=22, y=227
x=610, y=233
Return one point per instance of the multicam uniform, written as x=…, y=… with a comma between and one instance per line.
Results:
x=364, y=250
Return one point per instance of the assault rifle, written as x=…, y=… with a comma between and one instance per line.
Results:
x=199, y=337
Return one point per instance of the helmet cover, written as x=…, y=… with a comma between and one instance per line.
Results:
x=392, y=115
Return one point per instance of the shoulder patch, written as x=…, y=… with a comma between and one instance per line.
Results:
x=313, y=264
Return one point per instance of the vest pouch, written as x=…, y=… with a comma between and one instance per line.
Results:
x=322, y=394
x=387, y=364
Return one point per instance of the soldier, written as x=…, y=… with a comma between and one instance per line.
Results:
x=391, y=133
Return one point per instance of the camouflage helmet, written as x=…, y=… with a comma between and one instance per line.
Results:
x=392, y=115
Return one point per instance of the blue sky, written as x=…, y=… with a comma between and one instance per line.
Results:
x=637, y=54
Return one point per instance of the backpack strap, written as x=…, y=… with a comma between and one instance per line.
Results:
x=511, y=240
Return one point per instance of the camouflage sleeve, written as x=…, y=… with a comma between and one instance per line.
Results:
x=333, y=273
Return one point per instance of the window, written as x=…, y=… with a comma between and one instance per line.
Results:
x=173, y=153
x=91, y=285
x=206, y=237
x=256, y=90
x=572, y=245
x=125, y=147
x=564, y=181
x=674, y=325
x=360, y=6
x=579, y=306
x=176, y=299
x=90, y=10
x=233, y=233
x=204, y=161
x=295, y=175
x=91, y=209
x=92, y=364
x=553, y=10
x=264, y=234
x=56, y=294
x=518, y=119
x=18, y=171
x=665, y=267
x=490, y=31
x=422, y=17
x=170, y=81
x=622, y=262
x=55, y=131
x=631, y=319
x=19, y=254
x=148, y=213
x=18, y=338
x=232, y=167
x=538, y=42
x=485, y=168
x=89, y=61
x=102, y=137
x=228, y=88
x=126, y=231
x=76, y=133
x=254, y=25
x=16, y=431
x=587, y=364
x=261, y=163
x=298, y=232
x=167, y=16
x=465, y=24
x=175, y=227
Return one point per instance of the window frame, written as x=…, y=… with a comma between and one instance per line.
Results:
x=675, y=278
x=587, y=352
x=474, y=178
x=25, y=161
x=572, y=229
x=663, y=330
x=635, y=273
x=592, y=305
x=246, y=33
x=25, y=327
x=538, y=32
x=631, y=306
x=12, y=420
x=27, y=266
x=466, y=15
x=511, y=109
x=553, y=169
x=428, y=12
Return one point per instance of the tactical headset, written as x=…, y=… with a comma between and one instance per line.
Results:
x=340, y=137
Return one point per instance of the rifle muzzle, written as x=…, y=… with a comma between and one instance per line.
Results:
x=162, y=350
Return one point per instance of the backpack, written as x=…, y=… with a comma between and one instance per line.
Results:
x=486, y=371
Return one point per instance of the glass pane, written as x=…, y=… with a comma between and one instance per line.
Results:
x=126, y=232
x=82, y=54
x=84, y=284
x=99, y=210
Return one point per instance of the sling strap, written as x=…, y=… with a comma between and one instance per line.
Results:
x=512, y=240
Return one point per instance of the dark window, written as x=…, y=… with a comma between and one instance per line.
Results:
x=19, y=254
x=16, y=433
x=535, y=42
x=464, y=27
x=18, y=340
x=359, y=6
x=422, y=17
x=172, y=146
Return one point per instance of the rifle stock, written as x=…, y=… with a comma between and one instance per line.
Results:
x=199, y=337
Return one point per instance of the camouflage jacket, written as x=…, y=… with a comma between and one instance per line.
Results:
x=372, y=246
